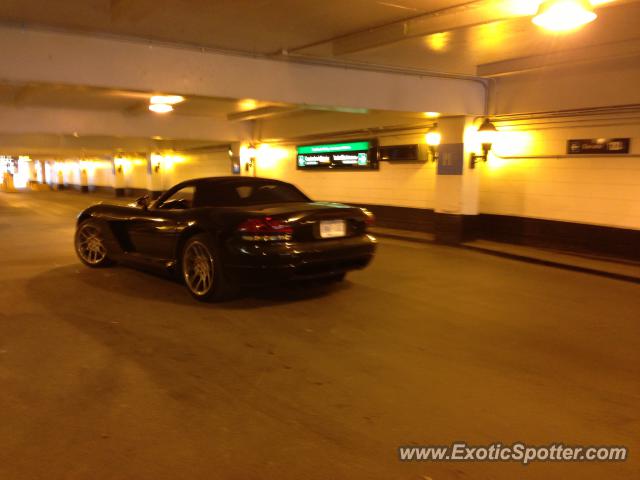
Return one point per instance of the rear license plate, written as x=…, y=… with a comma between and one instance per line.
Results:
x=333, y=228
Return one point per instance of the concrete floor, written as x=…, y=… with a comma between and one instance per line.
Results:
x=118, y=374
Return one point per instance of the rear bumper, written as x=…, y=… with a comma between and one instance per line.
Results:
x=260, y=263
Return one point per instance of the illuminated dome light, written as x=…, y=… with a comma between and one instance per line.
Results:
x=564, y=15
x=160, y=108
x=433, y=137
x=252, y=151
x=166, y=99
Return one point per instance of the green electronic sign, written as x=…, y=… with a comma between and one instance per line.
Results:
x=360, y=155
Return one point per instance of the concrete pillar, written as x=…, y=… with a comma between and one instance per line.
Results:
x=60, y=175
x=84, y=180
x=49, y=170
x=248, y=154
x=43, y=172
x=234, y=158
x=156, y=166
x=33, y=174
x=119, y=179
x=456, y=199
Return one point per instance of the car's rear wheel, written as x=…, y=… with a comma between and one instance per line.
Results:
x=339, y=277
x=202, y=271
x=90, y=245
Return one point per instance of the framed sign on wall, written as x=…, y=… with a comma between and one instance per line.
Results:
x=353, y=155
x=404, y=153
x=595, y=146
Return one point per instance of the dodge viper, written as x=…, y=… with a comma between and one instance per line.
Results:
x=219, y=233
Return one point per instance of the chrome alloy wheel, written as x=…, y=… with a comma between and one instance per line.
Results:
x=197, y=268
x=89, y=245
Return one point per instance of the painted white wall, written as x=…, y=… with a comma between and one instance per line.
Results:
x=65, y=121
x=175, y=168
x=178, y=167
x=102, y=175
x=137, y=176
x=399, y=184
x=594, y=190
x=601, y=190
x=212, y=164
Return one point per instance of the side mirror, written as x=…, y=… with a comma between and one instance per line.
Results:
x=143, y=202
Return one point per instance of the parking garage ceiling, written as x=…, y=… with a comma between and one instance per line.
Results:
x=452, y=36
x=258, y=26
x=472, y=37
x=129, y=105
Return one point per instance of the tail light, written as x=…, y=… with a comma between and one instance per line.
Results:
x=265, y=229
x=369, y=219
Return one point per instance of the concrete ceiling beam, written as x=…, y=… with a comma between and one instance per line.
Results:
x=30, y=55
x=59, y=121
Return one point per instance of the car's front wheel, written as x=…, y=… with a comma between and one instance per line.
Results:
x=338, y=277
x=202, y=271
x=90, y=245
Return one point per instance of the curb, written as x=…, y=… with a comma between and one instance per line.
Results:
x=522, y=258
x=551, y=263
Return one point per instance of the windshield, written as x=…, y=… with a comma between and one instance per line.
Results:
x=249, y=193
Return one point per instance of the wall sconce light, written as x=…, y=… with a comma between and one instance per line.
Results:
x=119, y=164
x=487, y=136
x=433, y=138
x=252, y=153
x=564, y=15
x=156, y=163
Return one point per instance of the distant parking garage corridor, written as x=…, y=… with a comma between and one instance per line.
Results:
x=429, y=345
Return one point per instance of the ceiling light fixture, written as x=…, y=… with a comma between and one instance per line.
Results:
x=248, y=104
x=564, y=15
x=167, y=99
x=160, y=108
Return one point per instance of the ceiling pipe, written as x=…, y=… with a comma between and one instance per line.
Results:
x=576, y=112
x=261, y=113
x=398, y=130
x=371, y=67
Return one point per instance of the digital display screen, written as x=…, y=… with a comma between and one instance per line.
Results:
x=401, y=153
x=360, y=155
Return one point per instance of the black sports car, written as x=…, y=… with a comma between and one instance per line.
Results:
x=221, y=232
